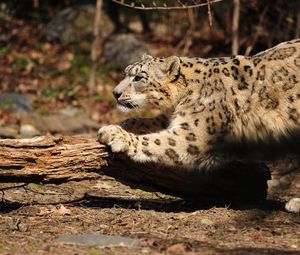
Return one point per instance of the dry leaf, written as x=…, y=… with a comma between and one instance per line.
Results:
x=44, y=211
x=62, y=210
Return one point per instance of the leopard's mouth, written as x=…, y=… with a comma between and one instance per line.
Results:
x=126, y=106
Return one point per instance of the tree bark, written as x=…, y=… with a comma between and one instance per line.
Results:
x=49, y=159
x=95, y=51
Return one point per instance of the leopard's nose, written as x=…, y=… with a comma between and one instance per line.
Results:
x=117, y=94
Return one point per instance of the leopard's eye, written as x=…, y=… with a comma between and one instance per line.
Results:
x=137, y=78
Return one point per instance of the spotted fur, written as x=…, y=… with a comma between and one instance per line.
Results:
x=206, y=104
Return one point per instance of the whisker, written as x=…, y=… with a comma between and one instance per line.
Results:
x=133, y=105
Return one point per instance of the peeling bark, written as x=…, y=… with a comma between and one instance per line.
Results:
x=49, y=159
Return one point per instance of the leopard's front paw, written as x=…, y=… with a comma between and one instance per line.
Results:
x=115, y=137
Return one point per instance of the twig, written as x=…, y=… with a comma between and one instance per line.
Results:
x=209, y=12
x=10, y=187
x=13, y=187
x=155, y=7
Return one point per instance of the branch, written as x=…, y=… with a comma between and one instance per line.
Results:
x=209, y=12
x=182, y=6
x=187, y=41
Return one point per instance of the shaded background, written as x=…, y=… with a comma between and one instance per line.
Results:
x=45, y=49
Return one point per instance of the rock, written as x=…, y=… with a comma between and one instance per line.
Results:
x=120, y=50
x=65, y=121
x=57, y=123
x=176, y=249
x=98, y=239
x=69, y=111
x=75, y=24
x=293, y=205
x=285, y=182
x=28, y=131
x=15, y=101
x=273, y=185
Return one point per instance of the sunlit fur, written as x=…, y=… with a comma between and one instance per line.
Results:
x=155, y=88
x=211, y=106
x=215, y=110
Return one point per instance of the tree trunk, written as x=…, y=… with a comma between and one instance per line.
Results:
x=51, y=159
x=95, y=51
x=235, y=27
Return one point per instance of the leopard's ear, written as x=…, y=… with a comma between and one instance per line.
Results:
x=146, y=57
x=127, y=69
x=172, y=65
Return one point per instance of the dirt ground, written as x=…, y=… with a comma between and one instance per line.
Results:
x=34, y=216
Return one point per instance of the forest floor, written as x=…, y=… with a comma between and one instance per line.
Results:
x=34, y=216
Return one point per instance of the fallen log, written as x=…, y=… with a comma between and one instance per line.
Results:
x=49, y=159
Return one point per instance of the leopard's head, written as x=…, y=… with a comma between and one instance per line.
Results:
x=150, y=82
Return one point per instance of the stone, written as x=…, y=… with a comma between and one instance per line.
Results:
x=282, y=183
x=285, y=182
x=15, y=102
x=273, y=185
x=65, y=121
x=28, y=131
x=75, y=24
x=120, y=50
x=69, y=111
x=98, y=239
x=176, y=249
x=293, y=205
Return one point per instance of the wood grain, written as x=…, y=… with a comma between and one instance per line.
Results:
x=49, y=159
